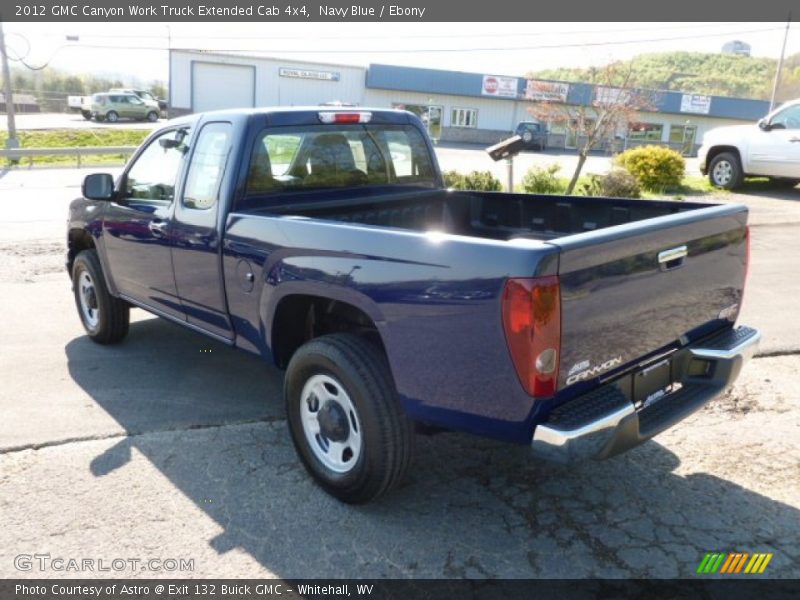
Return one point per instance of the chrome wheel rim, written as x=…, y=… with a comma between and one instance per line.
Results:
x=330, y=423
x=87, y=293
x=723, y=172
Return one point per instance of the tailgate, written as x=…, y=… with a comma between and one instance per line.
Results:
x=630, y=290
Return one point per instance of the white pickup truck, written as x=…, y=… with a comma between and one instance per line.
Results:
x=769, y=149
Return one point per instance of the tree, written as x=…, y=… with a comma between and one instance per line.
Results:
x=614, y=105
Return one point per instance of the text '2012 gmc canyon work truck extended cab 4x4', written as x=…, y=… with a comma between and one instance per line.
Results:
x=324, y=241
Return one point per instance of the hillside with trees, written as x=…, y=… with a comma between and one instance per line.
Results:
x=715, y=74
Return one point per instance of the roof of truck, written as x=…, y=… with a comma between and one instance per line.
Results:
x=300, y=115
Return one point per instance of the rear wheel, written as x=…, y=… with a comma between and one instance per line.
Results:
x=345, y=419
x=86, y=115
x=104, y=317
x=112, y=116
x=725, y=171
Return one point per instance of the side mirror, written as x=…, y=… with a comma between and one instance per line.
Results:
x=763, y=125
x=98, y=186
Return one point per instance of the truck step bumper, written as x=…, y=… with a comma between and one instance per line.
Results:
x=606, y=421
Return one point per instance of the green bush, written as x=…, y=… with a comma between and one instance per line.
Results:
x=654, y=167
x=481, y=181
x=543, y=180
x=619, y=183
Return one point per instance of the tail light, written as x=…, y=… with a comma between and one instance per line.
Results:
x=746, y=252
x=532, y=324
x=344, y=117
x=746, y=266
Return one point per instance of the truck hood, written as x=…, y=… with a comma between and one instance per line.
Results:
x=728, y=134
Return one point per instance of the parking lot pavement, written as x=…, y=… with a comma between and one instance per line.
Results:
x=170, y=445
x=70, y=121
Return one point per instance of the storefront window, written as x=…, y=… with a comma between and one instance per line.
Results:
x=430, y=115
x=464, y=117
x=650, y=132
x=685, y=136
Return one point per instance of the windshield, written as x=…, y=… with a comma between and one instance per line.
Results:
x=325, y=156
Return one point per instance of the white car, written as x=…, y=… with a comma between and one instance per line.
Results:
x=769, y=149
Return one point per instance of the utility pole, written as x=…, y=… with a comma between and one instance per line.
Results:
x=777, y=81
x=12, y=142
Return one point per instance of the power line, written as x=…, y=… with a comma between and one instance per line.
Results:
x=445, y=50
x=503, y=34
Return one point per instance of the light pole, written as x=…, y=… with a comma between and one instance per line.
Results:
x=777, y=80
x=12, y=142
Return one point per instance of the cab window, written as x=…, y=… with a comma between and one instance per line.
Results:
x=154, y=173
x=787, y=119
x=323, y=157
x=207, y=166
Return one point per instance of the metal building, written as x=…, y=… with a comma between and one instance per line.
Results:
x=456, y=106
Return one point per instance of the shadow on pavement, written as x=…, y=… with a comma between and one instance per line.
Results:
x=471, y=507
x=769, y=189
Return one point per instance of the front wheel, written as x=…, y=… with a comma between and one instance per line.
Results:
x=152, y=116
x=345, y=418
x=725, y=171
x=104, y=317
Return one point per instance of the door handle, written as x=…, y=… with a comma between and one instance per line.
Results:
x=794, y=139
x=672, y=258
x=158, y=228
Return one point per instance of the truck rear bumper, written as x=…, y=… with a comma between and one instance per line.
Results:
x=605, y=421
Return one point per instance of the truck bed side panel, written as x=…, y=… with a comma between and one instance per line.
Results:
x=436, y=302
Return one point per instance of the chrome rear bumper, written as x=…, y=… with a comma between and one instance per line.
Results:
x=605, y=422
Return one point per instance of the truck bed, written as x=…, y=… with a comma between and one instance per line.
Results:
x=491, y=215
x=622, y=296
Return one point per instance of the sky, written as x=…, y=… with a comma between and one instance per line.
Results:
x=139, y=50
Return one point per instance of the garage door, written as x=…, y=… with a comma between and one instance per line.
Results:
x=216, y=86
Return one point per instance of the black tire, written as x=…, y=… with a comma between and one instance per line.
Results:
x=387, y=438
x=112, y=116
x=152, y=116
x=111, y=315
x=86, y=115
x=725, y=171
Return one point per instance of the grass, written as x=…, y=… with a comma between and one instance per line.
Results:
x=76, y=138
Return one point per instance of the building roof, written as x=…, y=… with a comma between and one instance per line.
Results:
x=434, y=81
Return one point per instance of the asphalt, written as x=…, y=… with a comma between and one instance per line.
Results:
x=173, y=446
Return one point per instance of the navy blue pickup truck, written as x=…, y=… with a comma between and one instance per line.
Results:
x=324, y=240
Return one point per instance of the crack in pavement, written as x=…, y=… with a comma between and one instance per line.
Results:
x=131, y=434
x=202, y=426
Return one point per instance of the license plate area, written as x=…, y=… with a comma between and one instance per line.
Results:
x=651, y=383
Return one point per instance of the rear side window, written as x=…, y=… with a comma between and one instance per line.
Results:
x=207, y=166
x=320, y=157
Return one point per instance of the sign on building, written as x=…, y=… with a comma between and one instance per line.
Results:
x=695, y=103
x=308, y=74
x=546, y=91
x=606, y=96
x=503, y=87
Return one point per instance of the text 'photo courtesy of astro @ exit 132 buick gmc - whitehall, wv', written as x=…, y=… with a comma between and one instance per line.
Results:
x=324, y=241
